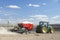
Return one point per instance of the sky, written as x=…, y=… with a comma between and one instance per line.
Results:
x=34, y=11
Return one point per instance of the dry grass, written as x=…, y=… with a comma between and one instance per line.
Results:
x=54, y=36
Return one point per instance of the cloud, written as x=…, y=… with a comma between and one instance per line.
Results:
x=36, y=5
x=6, y=14
x=54, y=21
x=40, y=17
x=44, y=4
x=56, y=17
x=33, y=5
x=26, y=19
x=30, y=19
x=13, y=6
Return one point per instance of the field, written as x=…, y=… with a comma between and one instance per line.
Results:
x=33, y=36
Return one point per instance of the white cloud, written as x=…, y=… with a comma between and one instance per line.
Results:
x=6, y=14
x=56, y=17
x=54, y=21
x=26, y=19
x=30, y=19
x=34, y=5
x=40, y=17
x=13, y=6
x=43, y=3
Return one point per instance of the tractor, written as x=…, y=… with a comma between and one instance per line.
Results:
x=44, y=27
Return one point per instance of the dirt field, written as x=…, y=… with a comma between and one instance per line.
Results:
x=54, y=36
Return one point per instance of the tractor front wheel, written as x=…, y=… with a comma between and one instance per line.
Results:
x=44, y=29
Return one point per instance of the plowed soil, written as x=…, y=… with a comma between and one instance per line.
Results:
x=33, y=36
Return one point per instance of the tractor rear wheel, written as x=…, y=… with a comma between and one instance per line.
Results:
x=40, y=29
x=52, y=30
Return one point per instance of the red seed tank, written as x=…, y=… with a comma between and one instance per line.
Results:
x=27, y=25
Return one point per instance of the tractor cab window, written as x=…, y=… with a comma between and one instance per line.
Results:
x=41, y=23
x=45, y=24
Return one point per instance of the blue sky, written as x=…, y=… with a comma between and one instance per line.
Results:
x=30, y=10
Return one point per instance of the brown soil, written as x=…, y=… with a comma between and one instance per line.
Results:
x=35, y=36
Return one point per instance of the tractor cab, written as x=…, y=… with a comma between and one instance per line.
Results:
x=44, y=27
x=43, y=23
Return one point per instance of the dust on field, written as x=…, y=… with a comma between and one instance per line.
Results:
x=35, y=36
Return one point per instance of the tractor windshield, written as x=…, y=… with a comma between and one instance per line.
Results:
x=44, y=23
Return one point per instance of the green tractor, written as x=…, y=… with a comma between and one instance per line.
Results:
x=44, y=27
